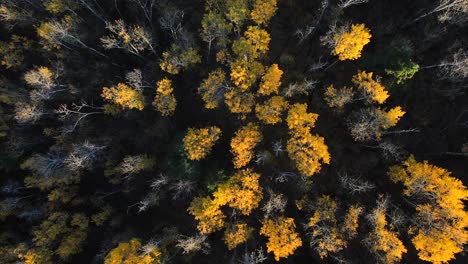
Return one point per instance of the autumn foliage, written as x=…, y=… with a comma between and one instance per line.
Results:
x=350, y=44
x=283, y=239
x=243, y=144
x=198, y=142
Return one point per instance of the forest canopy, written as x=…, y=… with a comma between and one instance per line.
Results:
x=233, y=131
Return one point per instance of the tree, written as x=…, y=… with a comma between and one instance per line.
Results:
x=12, y=53
x=441, y=218
x=25, y=113
x=237, y=234
x=164, y=101
x=237, y=12
x=60, y=6
x=213, y=88
x=241, y=191
x=243, y=144
x=263, y=11
x=176, y=59
x=370, y=89
x=271, y=81
x=383, y=241
x=253, y=44
x=238, y=101
x=305, y=149
x=193, y=244
x=124, y=96
x=215, y=28
x=270, y=112
x=244, y=73
x=134, y=39
x=45, y=83
x=349, y=43
x=208, y=213
x=370, y=123
x=283, y=240
x=199, y=142
x=338, y=98
x=129, y=253
x=452, y=11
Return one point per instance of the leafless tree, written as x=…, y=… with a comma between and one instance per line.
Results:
x=45, y=82
x=261, y=157
x=159, y=182
x=276, y=203
x=254, y=257
x=46, y=165
x=132, y=165
x=451, y=11
x=300, y=88
x=355, y=185
x=83, y=156
x=391, y=151
x=193, y=244
x=278, y=148
x=135, y=39
x=282, y=177
x=76, y=113
x=171, y=19
x=149, y=247
x=347, y=3
x=366, y=124
x=338, y=98
x=318, y=65
x=147, y=6
x=303, y=33
x=91, y=7
x=182, y=189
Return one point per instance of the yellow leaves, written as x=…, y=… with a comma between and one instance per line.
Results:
x=42, y=77
x=239, y=102
x=211, y=90
x=384, y=240
x=351, y=220
x=199, y=142
x=207, y=211
x=164, y=101
x=243, y=144
x=437, y=247
x=263, y=11
x=271, y=81
x=245, y=73
x=125, y=96
x=442, y=218
x=369, y=87
x=305, y=149
x=393, y=116
x=242, y=191
x=283, y=240
x=237, y=234
x=298, y=117
x=270, y=111
x=130, y=253
x=253, y=44
x=350, y=44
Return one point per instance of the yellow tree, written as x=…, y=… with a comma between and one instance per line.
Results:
x=242, y=191
x=350, y=44
x=440, y=212
x=124, y=96
x=243, y=144
x=237, y=234
x=199, y=142
x=270, y=111
x=393, y=116
x=306, y=150
x=263, y=11
x=131, y=252
x=283, y=239
x=238, y=101
x=208, y=213
x=164, y=101
x=212, y=89
x=383, y=241
x=371, y=89
x=271, y=81
x=245, y=73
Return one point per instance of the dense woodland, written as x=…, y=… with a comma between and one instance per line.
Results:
x=233, y=131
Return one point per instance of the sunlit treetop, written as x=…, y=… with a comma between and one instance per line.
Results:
x=243, y=144
x=299, y=118
x=350, y=44
x=213, y=88
x=164, y=87
x=60, y=6
x=125, y=96
x=253, y=44
x=242, y=191
x=283, y=239
x=237, y=234
x=270, y=112
x=263, y=11
x=237, y=12
x=131, y=253
x=199, y=142
x=244, y=73
x=271, y=81
x=393, y=116
x=239, y=102
x=371, y=89
x=208, y=213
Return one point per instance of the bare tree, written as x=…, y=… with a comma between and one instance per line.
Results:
x=300, y=88
x=355, y=185
x=147, y=6
x=135, y=39
x=318, y=65
x=452, y=11
x=347, y=3
x=182, y=189
x=46, y=165
x=391, y=151
x=132, y=165
x=254, y=257
x=76, y=113
x=193, y=244
x=83, y=156
x=276, y=204
x=171, y=20
x=278, y=148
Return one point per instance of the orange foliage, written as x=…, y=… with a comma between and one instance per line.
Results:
x=271, y=81
x=124, y=96
x=270, y=111
x=283, y=240
x=370, y=88
x=350, y=44
x=198, y=142
x=243, y=144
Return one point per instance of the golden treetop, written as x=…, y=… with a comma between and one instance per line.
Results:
x=208, y=213
x=369, y=87
x=199, y=142
x=124, y=96
x=350, y=44
x=271, y=81
x=299, y=118
x=130, y=253
x=263, y=11
x=164, y=87
x=283, y=239
x=243, y=144
x=237, y=234
x=270, y=111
